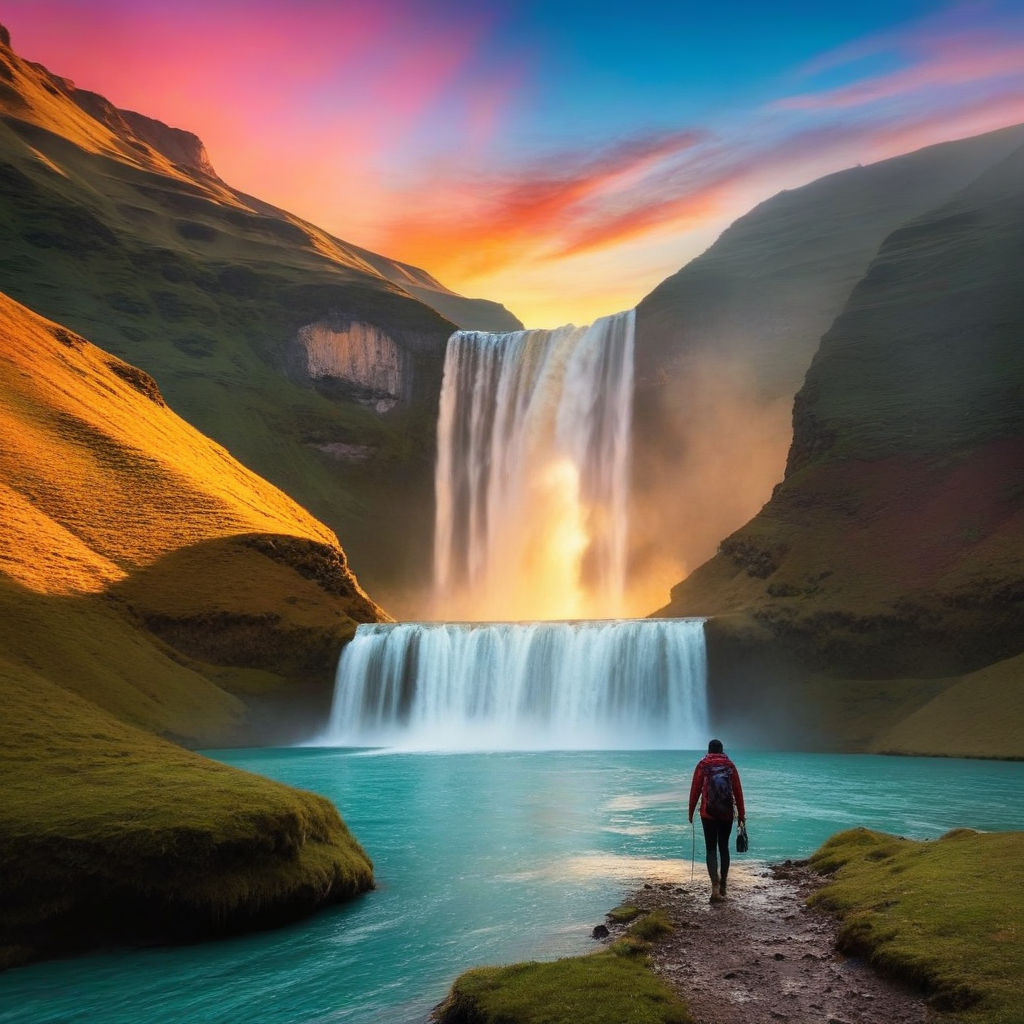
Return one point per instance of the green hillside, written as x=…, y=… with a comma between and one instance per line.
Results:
x=893, y=550
x=723, y=345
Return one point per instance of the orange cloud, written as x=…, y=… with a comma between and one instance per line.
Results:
x=478, y=224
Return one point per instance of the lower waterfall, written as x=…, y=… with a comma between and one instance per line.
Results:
x=615, y=684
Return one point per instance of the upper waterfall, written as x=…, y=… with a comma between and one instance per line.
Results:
x=532, y=477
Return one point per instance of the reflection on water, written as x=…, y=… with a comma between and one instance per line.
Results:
x=636, y=830
x=640, y=801
x=623, y=869
x=485, y=858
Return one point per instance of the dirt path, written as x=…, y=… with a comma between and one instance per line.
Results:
x=763, y=956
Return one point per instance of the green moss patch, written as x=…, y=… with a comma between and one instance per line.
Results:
x=944, y=914
x=602, y=988
x=623, y=914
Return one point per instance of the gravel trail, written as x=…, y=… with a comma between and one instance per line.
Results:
x=762, y=956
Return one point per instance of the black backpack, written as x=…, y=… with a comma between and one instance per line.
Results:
x=718, y=799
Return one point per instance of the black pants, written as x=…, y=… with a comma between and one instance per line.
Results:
x=716, y=841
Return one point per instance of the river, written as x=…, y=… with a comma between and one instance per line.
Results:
x=485, y=858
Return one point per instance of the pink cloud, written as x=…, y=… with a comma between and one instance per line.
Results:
x=954, y=22
x=384, y=124
x=946, y=66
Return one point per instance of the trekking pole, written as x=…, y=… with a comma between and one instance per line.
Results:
x=693, y=849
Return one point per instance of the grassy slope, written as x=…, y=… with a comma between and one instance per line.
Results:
x=167, y=267
x=116, y=511
x=977, y=715
x=894, y=548
x=149, y=582
x=943, y=914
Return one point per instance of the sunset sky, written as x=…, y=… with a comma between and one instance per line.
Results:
x=559, y=157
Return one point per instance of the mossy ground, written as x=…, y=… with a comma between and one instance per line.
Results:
x=944, y=914
x=613, y=986
x=110, y=834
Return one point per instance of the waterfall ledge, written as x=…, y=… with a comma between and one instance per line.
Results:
x=602, y=684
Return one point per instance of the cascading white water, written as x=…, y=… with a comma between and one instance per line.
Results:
x=627, y=684
x=533, y=472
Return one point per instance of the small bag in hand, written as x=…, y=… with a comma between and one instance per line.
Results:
x=741, y=839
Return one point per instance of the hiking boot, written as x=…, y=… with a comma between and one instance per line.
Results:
x=721, y=888
x=716, y=894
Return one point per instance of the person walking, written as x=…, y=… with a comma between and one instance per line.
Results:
x=716, y=783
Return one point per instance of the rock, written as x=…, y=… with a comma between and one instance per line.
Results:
x=600, y=932
x=358, y=354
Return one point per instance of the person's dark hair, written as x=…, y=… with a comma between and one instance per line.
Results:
x=715, y=747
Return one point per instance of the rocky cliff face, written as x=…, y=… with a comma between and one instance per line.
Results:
x=894, y=547
x=358, y=357
x=180, y=147
x=737, y=327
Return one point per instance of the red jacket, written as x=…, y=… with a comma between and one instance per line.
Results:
x=697, y=786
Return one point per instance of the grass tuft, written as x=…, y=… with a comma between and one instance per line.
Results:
x=601, y=988
x=651, y=926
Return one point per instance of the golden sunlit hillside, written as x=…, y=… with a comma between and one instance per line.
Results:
x=114, y=508
x=150, y=584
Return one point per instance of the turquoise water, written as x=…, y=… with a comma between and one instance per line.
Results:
x=484, y=858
